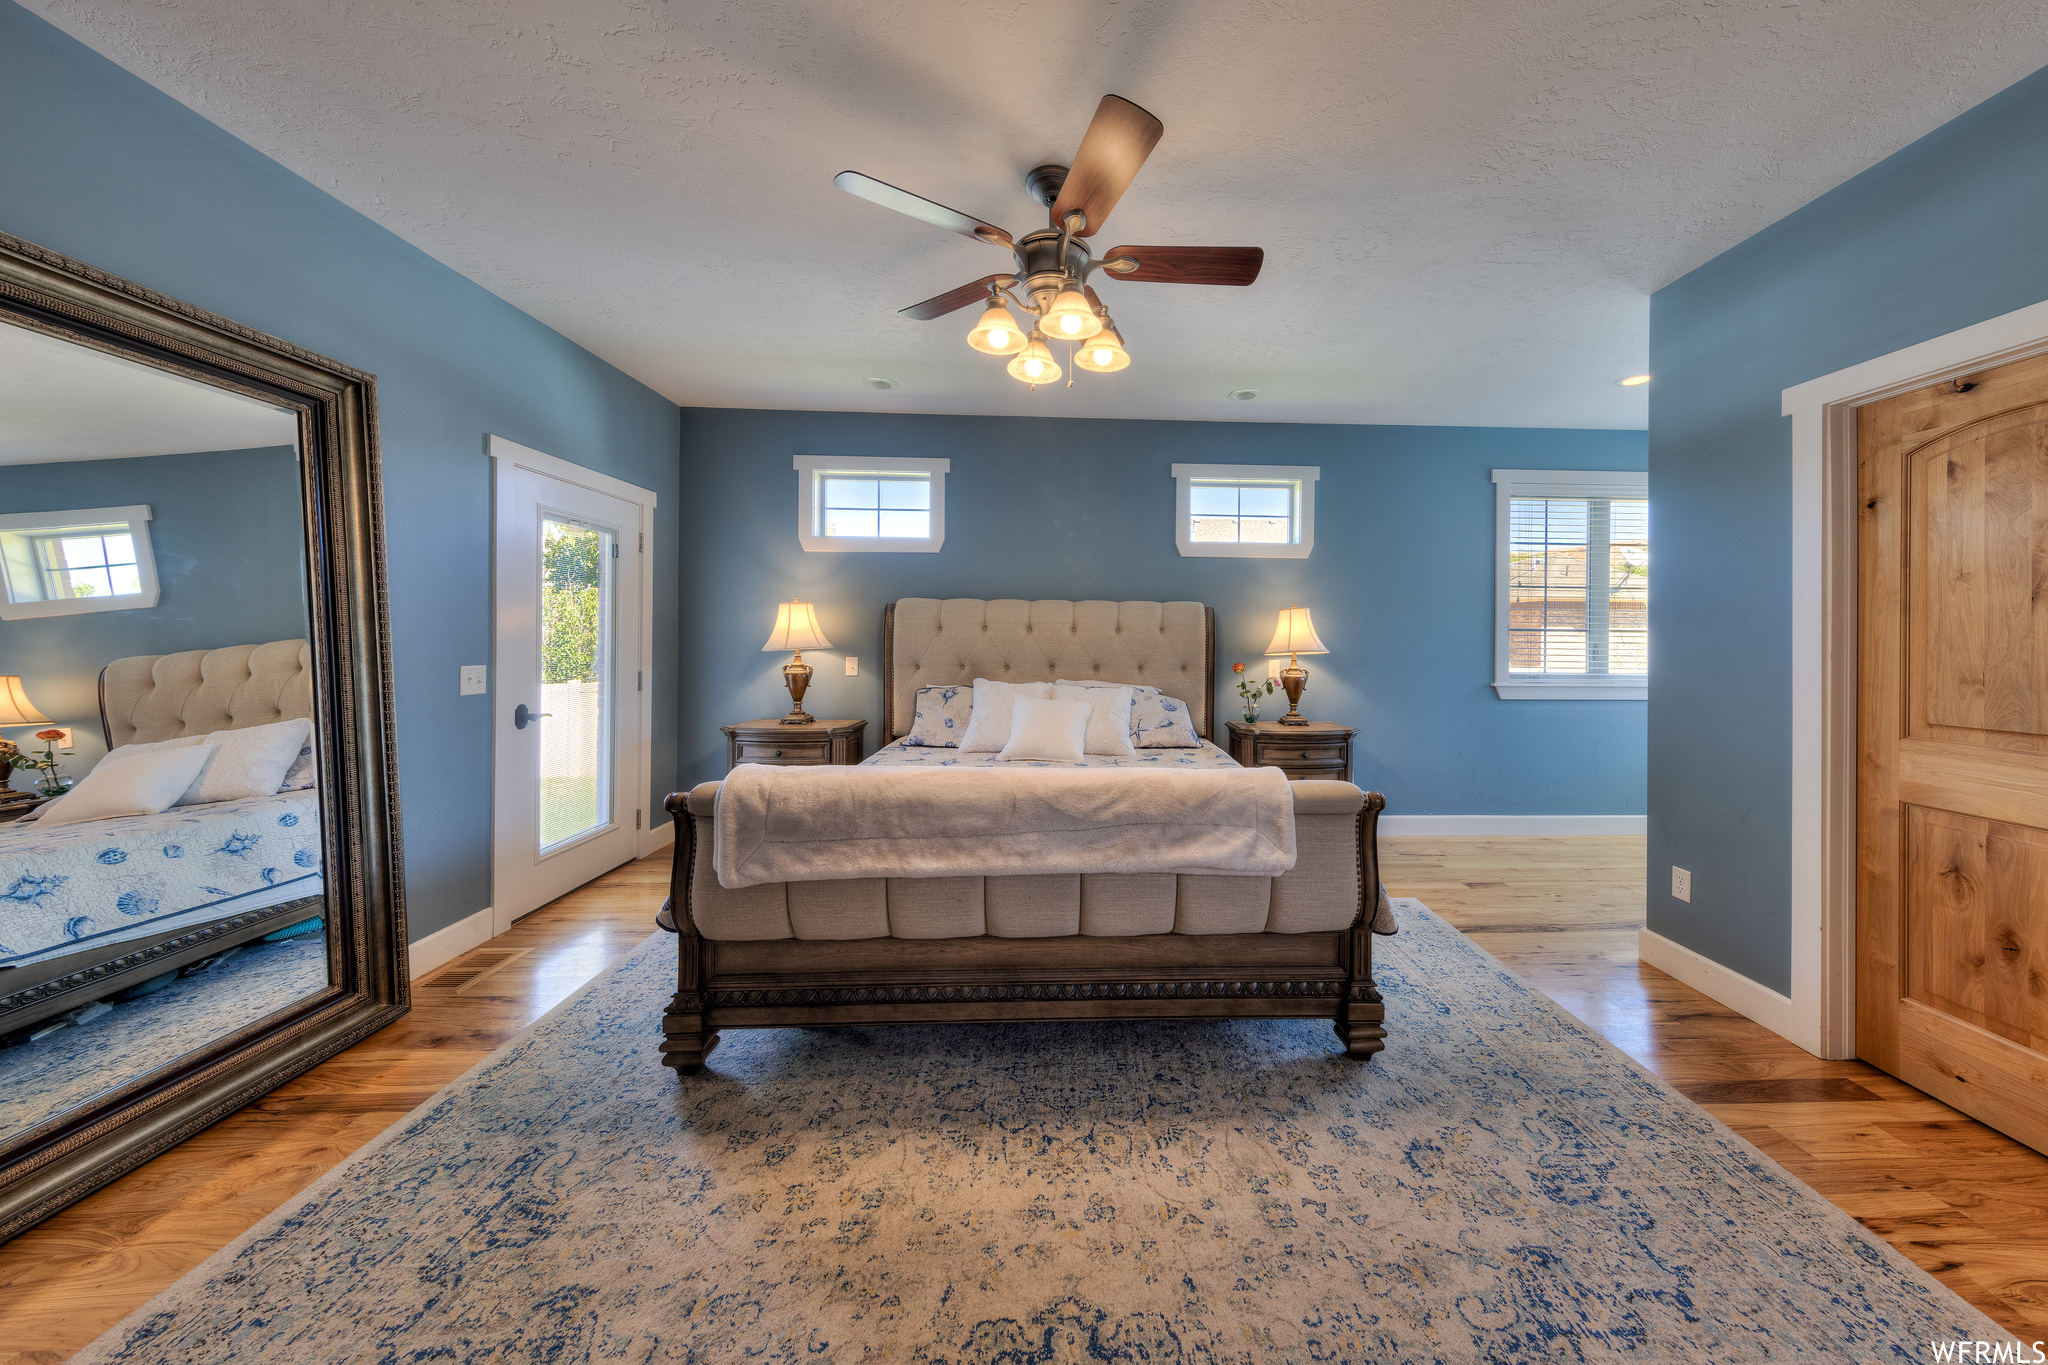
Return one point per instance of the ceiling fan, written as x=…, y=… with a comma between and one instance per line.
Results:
x=1053, y=264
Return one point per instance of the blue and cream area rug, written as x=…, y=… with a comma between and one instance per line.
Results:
x=1500, y=1185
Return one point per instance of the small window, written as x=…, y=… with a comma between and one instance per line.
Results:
x=871, y=503
x=66, y=563
x=1245, y=511
x=1573, y=585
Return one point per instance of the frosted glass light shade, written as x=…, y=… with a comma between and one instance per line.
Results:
x=796, y=627
x=15, y=708
x=1295, y=634
x=1047, y=369
x=997, y=333
x=1071, y=317
x=1103, y=353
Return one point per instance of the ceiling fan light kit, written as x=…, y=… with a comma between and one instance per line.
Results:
x=1053, y=264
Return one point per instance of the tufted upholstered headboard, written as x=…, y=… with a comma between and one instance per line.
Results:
x=928, y=642
x=152, y=697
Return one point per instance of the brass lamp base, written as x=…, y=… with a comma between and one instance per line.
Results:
x=796, y=676
x=1293, y=679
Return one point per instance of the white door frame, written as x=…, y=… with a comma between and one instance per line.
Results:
x=1821, y=1013
x=505, y=453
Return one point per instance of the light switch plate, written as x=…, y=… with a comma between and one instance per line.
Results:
x=473, y=680
x=852, y=667
x=1681, y=884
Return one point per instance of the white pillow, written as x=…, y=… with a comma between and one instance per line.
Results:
x=988, y=724
x=250, y=762
x=137, y=784
x=118, y=752
x=1109, y=729
x=1050, y=731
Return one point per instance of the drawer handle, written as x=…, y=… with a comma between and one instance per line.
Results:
x=778, y=753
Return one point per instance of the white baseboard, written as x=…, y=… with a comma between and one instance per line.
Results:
x=1748, y=998
x=654, y=840
x=445, y=945
x=1515, y=824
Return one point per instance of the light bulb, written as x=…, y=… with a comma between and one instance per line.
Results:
x=996, y=333
x=1105, y=354
x=1071, y=317
x=1034, y=364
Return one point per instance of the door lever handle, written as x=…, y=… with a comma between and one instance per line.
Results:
x=521, y=716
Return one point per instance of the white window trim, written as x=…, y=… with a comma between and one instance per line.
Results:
x=137, y=519
x=812, y=536
x=1554, y=483
x=1302, y=476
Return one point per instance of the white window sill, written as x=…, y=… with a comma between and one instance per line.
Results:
x=1530, y=689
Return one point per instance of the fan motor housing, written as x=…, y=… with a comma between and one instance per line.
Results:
x=1040, y=267
x=1045, y=183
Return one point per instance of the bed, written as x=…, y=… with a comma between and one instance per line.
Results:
x=89, y=909
x=1015, y=948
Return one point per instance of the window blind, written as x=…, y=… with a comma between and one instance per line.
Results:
x=1578, y=586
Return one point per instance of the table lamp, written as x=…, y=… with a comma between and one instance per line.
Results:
x=15, y=708
x=796, y=627
x=1294, y=637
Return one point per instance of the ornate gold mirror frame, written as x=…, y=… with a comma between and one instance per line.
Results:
x=48, y=1167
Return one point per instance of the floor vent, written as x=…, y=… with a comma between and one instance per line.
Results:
x=473, y=967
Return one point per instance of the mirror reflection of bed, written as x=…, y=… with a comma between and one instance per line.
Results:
x=153, y=607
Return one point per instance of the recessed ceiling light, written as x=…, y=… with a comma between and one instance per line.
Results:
x=880, y=385
x=1243, y=395
x=1633, y=381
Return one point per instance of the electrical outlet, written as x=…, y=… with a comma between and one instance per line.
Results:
x=852, y=667
x=473, y=681
x=1681, y=884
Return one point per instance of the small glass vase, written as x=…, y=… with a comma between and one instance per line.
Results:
x=1251, y=711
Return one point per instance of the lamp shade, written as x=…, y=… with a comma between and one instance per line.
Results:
x=15, y=708
x=1071, y=317
x=1034, y=364
x=1104, y=352
x=1295, y=634
x=796, y=627
x=996, y=333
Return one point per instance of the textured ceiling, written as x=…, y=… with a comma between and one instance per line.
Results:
x=60, y=401
x=1464, y=203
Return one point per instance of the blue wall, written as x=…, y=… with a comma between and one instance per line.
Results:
x=1401, y=581
x=230, y=564
x=97, y=164
x=1944, y=233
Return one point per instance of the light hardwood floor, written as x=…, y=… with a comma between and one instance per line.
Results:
x=1961, y=1200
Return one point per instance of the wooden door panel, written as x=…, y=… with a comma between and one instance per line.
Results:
x=1977, y=1071
x=1977, y=670
x=1952, y=743
x=1977, y=922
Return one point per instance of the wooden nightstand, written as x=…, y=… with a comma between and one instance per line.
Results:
x=1319, y=749
x=15, y=811
x=820, y=743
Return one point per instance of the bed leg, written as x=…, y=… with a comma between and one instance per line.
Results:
x=1362, y=1016
x=685, y=1041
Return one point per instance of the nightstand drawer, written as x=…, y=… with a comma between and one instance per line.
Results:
x=1324, y=772
x=766, y=751
x=1278, y=754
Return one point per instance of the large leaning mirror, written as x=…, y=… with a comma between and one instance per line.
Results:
x=199, y=895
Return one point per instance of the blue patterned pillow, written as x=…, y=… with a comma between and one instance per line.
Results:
x=938, y=717
x=1160, y=722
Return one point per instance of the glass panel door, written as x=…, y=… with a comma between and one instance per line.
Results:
x=576, y=611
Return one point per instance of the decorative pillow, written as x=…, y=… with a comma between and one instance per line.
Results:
x=1109, y=729
x=136, y=784
x=938, y=717
x=304, y=772
x=250, y=762
x=1048, y=731
x=1160, y=722
x=988, y=725
x=118, y=752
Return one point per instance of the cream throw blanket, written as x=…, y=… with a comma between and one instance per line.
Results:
x=819, y=824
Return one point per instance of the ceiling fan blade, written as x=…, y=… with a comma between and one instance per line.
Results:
x=924, y=210
x=955, y=299
x=1185, y=264
x=1118, y=140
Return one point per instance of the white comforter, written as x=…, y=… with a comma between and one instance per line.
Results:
x=776, y=824
x=902, y=755
x=108, y=881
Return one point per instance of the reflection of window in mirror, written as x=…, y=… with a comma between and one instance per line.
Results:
x=64, y=563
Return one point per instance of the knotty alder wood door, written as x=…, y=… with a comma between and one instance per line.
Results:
x=1952, y=719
